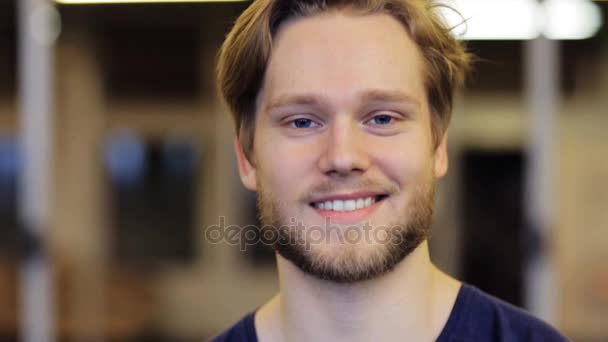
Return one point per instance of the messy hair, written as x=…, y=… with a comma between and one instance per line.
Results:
x=244, y=55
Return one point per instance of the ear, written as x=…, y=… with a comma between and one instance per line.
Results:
x=441, y=157
x=246, y=170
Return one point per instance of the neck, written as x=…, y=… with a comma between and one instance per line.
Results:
x=412, y=302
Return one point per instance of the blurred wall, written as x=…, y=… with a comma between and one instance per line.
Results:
x=101, y=296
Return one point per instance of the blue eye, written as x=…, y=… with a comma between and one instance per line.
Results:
x=302, y=123
x=382, y=120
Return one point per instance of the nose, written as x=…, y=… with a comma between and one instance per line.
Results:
x=344, y=152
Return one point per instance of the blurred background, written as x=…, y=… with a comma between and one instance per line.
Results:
x=116, y=157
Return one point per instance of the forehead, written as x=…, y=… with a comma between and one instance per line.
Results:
x=338, y=54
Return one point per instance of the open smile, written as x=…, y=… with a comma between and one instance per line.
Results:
x=348, y=210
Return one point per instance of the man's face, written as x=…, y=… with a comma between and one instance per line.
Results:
x=343, y=121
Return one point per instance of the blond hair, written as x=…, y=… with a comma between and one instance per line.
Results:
x=244, y=55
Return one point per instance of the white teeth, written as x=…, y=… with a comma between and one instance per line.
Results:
x=338, y=205
x=348, y=205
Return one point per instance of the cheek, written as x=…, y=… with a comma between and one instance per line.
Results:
x=284, y=166
x=403, y=161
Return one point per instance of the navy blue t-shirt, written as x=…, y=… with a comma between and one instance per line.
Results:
x=476, y=316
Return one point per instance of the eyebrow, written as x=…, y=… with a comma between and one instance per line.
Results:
x=370, y=95
x=377, y=95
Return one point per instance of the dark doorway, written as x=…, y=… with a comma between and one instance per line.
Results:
x=493, y=222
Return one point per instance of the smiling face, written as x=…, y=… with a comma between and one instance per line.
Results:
x=343, y=137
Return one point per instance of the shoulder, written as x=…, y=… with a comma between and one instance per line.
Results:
x=478, y=316
x=242, y=331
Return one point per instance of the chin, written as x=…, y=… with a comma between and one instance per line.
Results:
x=343, y=262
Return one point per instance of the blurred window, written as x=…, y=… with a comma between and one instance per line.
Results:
x=153, y=186
x=8, y=195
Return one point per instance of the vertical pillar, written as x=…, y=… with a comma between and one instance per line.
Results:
x=35, y=100
x=543, y=95
x=81, y=235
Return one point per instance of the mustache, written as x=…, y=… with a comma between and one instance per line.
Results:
x=348, y=186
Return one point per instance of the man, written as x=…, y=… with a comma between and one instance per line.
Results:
x=341, y=112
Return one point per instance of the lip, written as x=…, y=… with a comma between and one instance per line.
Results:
x=349, y=217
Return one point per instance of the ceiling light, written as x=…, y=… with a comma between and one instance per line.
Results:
x=522, y=19
x=102, y=2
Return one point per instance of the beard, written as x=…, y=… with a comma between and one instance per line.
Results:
x=349, y=261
